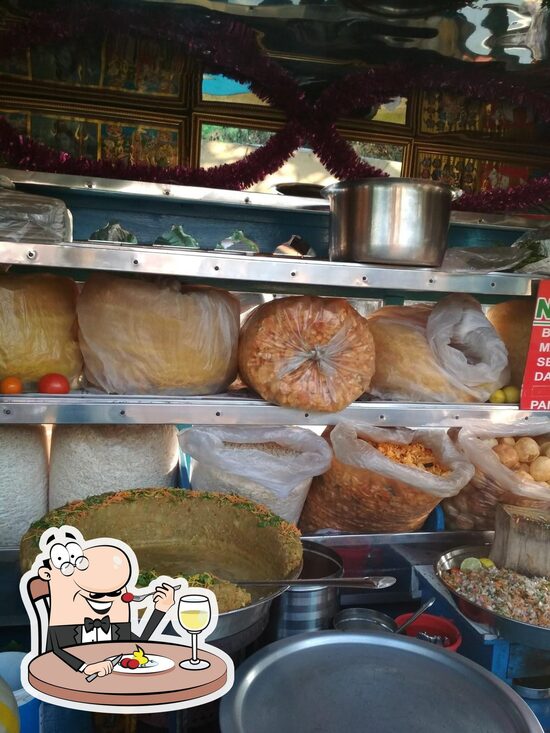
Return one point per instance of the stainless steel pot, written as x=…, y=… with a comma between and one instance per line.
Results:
x=310, y=608
x=391, y=221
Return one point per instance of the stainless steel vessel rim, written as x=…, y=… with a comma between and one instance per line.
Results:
x=342, y=186
x=264, y=599
x=277, y=651
x=351, y=614
x=327, y=553
x=362, y=615
x=472, y=549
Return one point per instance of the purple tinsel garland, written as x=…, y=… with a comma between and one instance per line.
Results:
x=231, y=48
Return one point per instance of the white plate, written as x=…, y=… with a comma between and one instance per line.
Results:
x=155, y=664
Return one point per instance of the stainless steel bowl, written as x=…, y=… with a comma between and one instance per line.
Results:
x=533, y=688
x=391, y=221
x=508, y=628
x=363, y=619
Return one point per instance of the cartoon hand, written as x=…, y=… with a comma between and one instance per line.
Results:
x=164, y=597
x=99, y=668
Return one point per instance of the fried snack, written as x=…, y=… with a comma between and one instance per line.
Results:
x=414, y=454
x=178, y=531
x=513, y=320
x=151, y=336
x=38, y=331
x=228, y=595
x=383, y=480
x=307, y=352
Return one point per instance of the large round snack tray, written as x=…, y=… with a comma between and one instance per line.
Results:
x=357, y=679
x=178, y=531
x=510, y=629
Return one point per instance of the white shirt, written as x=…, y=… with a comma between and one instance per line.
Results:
x=96, y=635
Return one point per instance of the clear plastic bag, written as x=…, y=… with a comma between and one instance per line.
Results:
x=534, y=247
x=493, y=482
x=271, y=466
x=28, y=218
x=530, y=253
x=307, y=352
x=157, y=336
x=445, y=353
x=365, y=491
x=38, y=330
x=481, y=259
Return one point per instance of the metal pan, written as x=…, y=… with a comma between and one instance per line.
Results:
x=331, y=682
x=235, y=622
x=516, y=631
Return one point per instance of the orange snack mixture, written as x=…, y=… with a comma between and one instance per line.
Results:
x=414, y=455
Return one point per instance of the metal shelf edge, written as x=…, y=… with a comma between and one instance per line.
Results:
x=226, y=410
x=257, y=269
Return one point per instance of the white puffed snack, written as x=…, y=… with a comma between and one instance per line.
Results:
x=92, y=459
x=23, y=480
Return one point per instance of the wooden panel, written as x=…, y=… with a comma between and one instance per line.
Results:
x=448, y=117
x=88, y=132
x=474, y=172
x=121, y=68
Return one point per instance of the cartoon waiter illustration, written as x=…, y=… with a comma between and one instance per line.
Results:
x=89, y=598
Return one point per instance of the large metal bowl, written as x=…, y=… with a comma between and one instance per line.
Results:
x=391, y=221
x=330, y=681
x=508, y=628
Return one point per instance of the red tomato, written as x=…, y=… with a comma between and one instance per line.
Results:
x=54, y=384
x=124, y=662
x=133, y=663
x=127, y=597
x=11, y=385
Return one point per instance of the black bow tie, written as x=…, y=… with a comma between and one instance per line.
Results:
x=97, y=623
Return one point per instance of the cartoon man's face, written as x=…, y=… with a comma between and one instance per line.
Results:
x=85, y=583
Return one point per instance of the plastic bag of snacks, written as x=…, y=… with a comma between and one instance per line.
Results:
x=38, y=331
x=271, y=466
x=512, y=466
x=383, y=480
x=307, y=352
x=157, y=336
x=457, y=354
x=26, y=217
x=512, y=320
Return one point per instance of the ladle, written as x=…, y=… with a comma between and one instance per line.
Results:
x=369, y=581
x=423, y=608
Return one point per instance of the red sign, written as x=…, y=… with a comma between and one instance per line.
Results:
x=535, y=392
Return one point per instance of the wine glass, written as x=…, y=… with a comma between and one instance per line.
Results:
x=194, y=615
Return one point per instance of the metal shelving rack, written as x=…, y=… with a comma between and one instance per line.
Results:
x=240, y=270
x=81, y=408
x=265, y=273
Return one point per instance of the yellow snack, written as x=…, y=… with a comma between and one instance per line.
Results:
x=152, y=336
x=38, y=332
